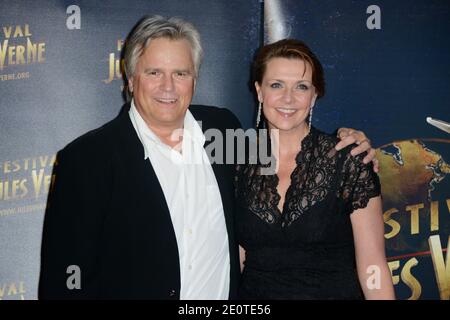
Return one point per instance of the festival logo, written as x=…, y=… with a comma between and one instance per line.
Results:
x=115, y=64
x=12, y=291
x=416, y=204
x=24, y=184
x=17, y=49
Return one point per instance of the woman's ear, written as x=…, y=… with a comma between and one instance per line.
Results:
x=313, y=101
x=258, y=91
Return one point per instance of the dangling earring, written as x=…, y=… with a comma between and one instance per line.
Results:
x=310, y=117
x=258, y=117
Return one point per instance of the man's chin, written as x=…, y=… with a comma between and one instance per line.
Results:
x=170, y=119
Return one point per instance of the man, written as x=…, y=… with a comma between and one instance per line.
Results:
x=130, y=215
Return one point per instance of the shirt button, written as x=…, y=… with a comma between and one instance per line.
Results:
x=190, y=232
x=190, y=267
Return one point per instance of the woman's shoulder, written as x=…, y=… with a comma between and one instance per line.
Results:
x=321, y=141
x=324, y=137
x=328, y=141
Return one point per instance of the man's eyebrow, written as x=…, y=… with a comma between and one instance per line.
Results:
x=183, y=70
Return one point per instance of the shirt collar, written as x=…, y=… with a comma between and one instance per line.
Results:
x=194, y=129
x=191, y=130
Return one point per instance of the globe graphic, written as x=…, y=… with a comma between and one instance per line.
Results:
x=416, y=204
x=413, y=172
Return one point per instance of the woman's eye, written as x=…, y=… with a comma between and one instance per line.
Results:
x=303, y=86
x=275, y=85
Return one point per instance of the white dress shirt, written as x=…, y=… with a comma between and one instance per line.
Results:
x=193, y=198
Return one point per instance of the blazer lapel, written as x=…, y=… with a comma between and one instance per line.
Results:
x=145, y=175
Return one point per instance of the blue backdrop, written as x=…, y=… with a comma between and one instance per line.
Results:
x=59, y=78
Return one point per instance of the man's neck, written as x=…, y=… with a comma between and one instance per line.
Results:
x=169, y=135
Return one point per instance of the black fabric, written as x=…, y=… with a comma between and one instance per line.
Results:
x=107, y=214
x=306, y=251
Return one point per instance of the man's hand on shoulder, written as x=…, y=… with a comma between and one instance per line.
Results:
x=350, y=136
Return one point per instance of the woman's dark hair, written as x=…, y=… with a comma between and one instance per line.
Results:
x=290, y=49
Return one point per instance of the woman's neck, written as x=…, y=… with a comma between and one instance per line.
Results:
x=289, y=141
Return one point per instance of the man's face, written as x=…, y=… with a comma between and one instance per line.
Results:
x=163, y=83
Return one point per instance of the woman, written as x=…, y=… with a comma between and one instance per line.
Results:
x=313, y=230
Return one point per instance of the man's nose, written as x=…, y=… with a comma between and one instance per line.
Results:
x=167, y=83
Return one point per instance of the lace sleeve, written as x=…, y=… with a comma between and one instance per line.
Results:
x=359, y=182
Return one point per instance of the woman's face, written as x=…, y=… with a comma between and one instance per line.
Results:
x=287, y=93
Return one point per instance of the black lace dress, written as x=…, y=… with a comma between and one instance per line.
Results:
x=306, y=251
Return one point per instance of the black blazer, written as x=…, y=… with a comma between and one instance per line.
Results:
x=107, y=214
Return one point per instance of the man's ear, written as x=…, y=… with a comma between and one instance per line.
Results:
x=130, y=85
